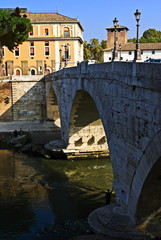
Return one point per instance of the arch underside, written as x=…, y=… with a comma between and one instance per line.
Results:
x=150, y=197
x=53, y=108
x=145, y=196
x=86, y=131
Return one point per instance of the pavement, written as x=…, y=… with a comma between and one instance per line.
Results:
x=32, y=126
x=42, y=132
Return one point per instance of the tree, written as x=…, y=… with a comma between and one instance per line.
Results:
x=104, y=44
x=14, y=30
x=150, y=35
x=94, y=50
x=133, y=40
x=86, y=51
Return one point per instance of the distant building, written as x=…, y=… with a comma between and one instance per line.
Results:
x=55, y=41
x=126, y=49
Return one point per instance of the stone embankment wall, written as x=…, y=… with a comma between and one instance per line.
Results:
x=22, y=98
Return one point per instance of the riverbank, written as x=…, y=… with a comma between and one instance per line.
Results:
x=43, y=138
x=78, y=230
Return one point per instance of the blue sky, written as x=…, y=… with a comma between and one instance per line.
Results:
x=96, y=15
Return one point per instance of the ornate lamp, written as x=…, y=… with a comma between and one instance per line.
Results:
x=137, y=51
x=115, y=55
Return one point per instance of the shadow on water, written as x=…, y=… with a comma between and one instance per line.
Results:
x=36, y=193
x=78, y=187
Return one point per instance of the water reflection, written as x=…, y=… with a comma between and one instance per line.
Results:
x=79, y=186
x=35, y=193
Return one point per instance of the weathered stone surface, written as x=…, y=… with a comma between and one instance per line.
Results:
x=121, y=102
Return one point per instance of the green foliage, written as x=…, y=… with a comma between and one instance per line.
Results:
x=94, y=50
x=132, y=40
x=104, y=44
x=149, y=36
x=86, y=51
x=14, y=28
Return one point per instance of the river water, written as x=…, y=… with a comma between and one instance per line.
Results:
x=36, y=193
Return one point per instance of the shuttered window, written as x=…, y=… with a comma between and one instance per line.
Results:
x=47, y=51
x=31, y=33
x=17, y=52
x=32, y=51
x=46, y=31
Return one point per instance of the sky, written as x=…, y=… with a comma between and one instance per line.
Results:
x=96, y=15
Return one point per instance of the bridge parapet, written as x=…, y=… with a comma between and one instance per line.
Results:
x=152, y=70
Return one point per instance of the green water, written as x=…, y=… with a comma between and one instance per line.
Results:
x=36, y=193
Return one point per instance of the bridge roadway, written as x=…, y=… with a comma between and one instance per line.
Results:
x=116, y=106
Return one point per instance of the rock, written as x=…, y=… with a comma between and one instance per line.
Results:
x=55, y=144
x=18, y=139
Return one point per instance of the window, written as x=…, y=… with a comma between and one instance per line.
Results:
x=32, y=71
x=47, y=71
x=31, y=43
x=66, y=32
x=47, y=51
x=17, y=72
x=142, y=52
x=31, y=32
x=32, y=51
x=130, y=52
x=153, y=52
x=66, y=52
x=46, y=31
x=46, y=43
x=17, y=52
x=3, y=53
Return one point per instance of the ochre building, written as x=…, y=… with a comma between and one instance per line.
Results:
x=55, y=42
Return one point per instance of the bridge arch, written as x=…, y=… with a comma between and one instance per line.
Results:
x=86, y=130
x=145, y=194
x=53, y=108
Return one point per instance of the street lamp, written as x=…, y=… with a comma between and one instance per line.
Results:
x=120, y=51
x=137, y=51
x=115, y=55
x=60, y=51
x=66, y=54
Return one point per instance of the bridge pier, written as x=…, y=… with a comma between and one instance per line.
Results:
x=113, y=221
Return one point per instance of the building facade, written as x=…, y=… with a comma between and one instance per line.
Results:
x=56, y=41
x=126, y=50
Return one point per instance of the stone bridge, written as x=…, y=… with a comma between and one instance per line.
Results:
x=116, y=106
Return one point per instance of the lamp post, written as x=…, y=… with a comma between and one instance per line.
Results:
x=60, y=51
x=120, y=51
x=137, y=51
x=115, y=55
x=66, y=52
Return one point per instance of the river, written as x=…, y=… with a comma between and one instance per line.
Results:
x=37, y=193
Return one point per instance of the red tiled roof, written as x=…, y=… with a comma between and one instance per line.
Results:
x=143, y=46
x=118, y=27
x=49, y=17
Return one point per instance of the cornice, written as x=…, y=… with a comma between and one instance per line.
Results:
x=55, y=39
